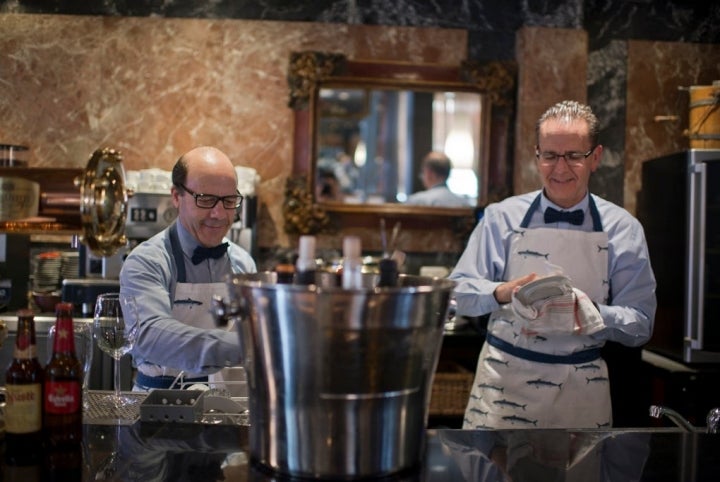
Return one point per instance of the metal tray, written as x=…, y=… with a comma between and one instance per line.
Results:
x=183, y=406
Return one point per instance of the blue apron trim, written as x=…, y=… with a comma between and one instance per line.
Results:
x=594, y=213
x=584, y=356
x=529, y=213
x=177, y=253
x=145, y=381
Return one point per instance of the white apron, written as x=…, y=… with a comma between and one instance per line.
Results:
x=200, y=316
x=192, y=305
x=551, y=380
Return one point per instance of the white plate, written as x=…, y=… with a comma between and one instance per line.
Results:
x=543, y=288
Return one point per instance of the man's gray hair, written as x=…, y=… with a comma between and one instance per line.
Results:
x=569, y=110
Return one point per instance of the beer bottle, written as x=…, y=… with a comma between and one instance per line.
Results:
x=23, y=404
x=62, y=395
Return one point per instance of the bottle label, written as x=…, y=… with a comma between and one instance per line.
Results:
x=64, y=340
x=23, y=408
x=26, y=353
x=62, y=397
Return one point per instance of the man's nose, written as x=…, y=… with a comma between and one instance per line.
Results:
x=564, y=163
x=218, y=210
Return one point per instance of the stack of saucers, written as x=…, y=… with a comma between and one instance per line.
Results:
x=47, y=271
x=70, y=266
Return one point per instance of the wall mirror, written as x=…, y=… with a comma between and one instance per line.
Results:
x=363, y=128
x=369, y=142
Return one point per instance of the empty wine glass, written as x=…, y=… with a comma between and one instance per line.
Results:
x=113, y=336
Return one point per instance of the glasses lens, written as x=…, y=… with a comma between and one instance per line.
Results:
x=232, y=202
x=206, y=201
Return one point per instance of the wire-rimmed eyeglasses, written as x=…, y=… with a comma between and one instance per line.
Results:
x=208, y=201
x=572, y=158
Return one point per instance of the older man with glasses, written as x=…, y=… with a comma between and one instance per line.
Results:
x=174, y=275
x=588, y=262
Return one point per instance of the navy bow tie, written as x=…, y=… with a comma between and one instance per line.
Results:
x=573, y=217
x=202, y=253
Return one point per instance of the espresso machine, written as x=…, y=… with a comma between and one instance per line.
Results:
x=244, y=229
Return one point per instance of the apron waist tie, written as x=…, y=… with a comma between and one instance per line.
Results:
x=164, y=381
x=584, y=356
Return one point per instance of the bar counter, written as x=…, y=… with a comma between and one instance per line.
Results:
x=200, y=452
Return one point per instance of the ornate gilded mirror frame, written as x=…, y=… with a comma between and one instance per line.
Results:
x=309, y=70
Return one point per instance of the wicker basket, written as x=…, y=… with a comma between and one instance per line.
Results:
x=450, y=390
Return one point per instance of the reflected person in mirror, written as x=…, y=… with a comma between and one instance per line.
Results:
x=174, y=275
x=541, y=365
x=327, y=186
x=436, y=168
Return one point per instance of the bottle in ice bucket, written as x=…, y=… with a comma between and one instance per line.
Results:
x=23, y=406
x=305, y=265
x=352, y=263
x=285, y=271
x=62, y=398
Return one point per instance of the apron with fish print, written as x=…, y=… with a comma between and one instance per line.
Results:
x=535, y=379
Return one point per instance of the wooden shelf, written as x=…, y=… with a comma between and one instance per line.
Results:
x=59, y=206
x=27, y=228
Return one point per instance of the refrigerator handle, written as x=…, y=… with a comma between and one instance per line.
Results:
x=696, y=288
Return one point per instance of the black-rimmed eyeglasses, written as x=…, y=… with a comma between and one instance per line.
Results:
x=572, y=158
x=208, y=201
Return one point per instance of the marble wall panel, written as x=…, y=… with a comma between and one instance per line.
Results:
x=155, y=87
x=658, y=72
x=607, y=83
x=552, y=66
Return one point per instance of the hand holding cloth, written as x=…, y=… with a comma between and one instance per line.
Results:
x=552, y=305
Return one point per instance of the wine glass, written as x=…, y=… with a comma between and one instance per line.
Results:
x=113, y=336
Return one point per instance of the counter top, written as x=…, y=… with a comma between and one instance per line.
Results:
x=171, y=452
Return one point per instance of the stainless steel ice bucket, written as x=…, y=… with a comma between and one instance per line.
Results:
x=339, y=379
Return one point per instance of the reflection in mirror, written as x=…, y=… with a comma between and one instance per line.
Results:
x=370, y=143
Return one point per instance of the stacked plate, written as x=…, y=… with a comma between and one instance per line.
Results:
x=47, y=271
x=70, y=266
x=543, y=289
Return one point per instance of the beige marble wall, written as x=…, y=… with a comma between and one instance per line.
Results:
x=552, y=66
x=155, y=87
x=658, y=75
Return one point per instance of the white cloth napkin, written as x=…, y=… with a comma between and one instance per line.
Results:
x=571, y=312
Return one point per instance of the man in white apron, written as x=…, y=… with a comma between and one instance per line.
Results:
x=174, y=275
x=540, y=366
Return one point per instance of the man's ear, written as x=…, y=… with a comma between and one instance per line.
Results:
x=596, y=158
x=175, y=193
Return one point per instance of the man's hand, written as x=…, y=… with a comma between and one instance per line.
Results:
x=571, y=313
x=503, y=293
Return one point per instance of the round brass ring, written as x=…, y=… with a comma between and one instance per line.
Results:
x=103, y=202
